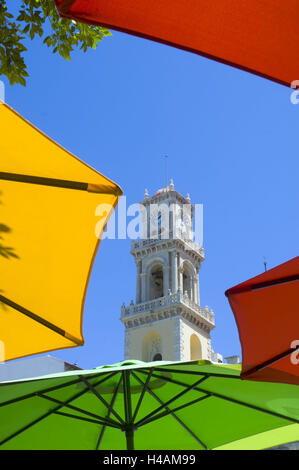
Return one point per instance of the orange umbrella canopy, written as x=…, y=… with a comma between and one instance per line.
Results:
x=259, y=36
x=49, y=235
x=266, y=310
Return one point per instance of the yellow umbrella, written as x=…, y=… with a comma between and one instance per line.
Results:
x=48, y=239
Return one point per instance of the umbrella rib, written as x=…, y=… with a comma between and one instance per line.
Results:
x=40, y=320
x=69, y=415
x=60, y=183
x=80, y=410
x=171, y=412
x=145, y=388
x=233, y=400
x=111, y=404
x=51, y=411
x=52, y=389
x=269, y=362
x=176, y=397
x=94, y=391
x=209, y=374
x=178, y=408
x=28, y=426
x=167, y=379
x=248, y=405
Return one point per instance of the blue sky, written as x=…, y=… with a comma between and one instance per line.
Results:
x=232, y=141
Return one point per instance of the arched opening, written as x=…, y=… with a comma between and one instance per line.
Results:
x=187, y=280
x=159, y=221
x=157, y=357
x=156, y=282
x=152, y=347
x=195, y=348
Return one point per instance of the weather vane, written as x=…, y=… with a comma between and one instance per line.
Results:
x=265, y=263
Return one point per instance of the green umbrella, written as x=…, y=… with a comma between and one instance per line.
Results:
x=156, y=405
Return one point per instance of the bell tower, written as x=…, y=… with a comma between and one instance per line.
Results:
x=166, y=322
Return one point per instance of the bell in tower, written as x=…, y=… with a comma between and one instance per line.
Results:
x=166, y=322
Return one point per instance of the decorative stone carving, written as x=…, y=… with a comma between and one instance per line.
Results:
x=155, y=347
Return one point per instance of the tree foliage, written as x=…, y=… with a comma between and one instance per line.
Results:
x=40, y=18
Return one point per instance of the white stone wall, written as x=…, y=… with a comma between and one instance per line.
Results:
x=135, y=341
x=170, y=337
x=187, y=330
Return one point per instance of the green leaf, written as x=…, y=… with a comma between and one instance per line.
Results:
x=64, y=35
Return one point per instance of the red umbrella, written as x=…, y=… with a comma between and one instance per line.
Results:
x=266, y=310
x=259, y=36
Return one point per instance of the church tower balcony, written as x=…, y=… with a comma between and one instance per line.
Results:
x=168, y=306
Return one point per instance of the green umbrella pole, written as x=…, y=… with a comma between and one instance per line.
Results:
x=129, y=428
x=130, y=437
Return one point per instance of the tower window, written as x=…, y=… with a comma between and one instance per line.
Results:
x=157, y=357
x=187, y=283
x=159, y=225
x=156, y=287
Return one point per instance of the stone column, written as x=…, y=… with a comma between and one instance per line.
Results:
x=180, y=274
x=143, y=286
x=174, y=268
x=138, y=281
x=177, y=340
x=197, y=289
x=181, y=282
x=148, y=223
x=192, y=290
x=165, y=280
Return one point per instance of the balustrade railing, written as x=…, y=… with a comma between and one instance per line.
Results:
x=167, y=300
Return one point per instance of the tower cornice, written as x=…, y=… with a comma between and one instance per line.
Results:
x=145, y=247
x=166, y=193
